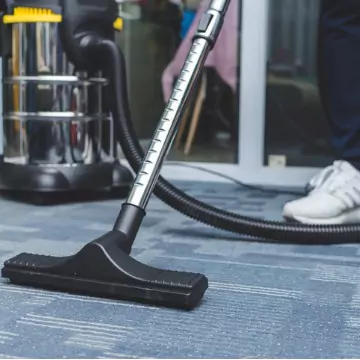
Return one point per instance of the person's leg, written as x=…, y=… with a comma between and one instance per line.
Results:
x=339, y=75
x=335, y=195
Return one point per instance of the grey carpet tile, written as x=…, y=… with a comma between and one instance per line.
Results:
x=264, y=300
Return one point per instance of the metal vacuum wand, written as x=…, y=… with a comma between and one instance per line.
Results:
x=204, y=39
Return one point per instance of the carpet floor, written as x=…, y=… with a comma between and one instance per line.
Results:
x=264, y=300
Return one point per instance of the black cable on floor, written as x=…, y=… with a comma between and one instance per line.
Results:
x=235, y=181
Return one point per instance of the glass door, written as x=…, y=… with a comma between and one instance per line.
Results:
x=283, y=135
x=156, y=38
x=296, y=131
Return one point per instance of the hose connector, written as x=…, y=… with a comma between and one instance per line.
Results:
x=85, y=21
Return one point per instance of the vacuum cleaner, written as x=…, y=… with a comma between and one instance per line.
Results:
x=104, y=266
x=58, y=130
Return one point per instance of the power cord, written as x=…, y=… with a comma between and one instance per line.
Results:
x=235, y=181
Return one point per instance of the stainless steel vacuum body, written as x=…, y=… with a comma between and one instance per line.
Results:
x=52, y=114
x=57, y=132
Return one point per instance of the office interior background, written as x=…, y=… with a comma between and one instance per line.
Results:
x=292, y=134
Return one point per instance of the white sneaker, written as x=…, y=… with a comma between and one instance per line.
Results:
x=334, y=198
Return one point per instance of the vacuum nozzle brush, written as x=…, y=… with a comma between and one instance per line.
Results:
x=101, y=268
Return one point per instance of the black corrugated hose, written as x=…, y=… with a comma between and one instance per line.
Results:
x=249, y=228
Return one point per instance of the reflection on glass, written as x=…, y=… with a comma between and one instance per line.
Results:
x=296, y=129
x=156, y=39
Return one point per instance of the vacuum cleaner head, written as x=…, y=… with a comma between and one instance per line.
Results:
x=103, y=268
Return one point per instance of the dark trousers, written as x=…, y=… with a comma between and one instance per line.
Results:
x=339, y=75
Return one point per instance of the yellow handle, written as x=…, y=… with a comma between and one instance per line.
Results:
x=32, y=15
x=39, y=15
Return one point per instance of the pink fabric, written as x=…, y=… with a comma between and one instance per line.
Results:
x=223, y=57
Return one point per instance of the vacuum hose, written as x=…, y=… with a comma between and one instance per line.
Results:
x=273, y=231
